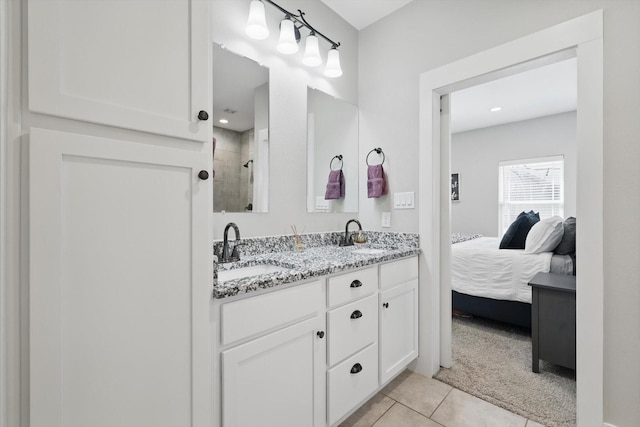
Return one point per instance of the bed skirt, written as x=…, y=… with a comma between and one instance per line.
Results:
x=512, y=312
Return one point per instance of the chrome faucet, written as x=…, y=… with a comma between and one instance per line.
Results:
x=227, y=254
x=347, y=239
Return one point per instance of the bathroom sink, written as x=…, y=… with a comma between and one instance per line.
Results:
x=369, y=251
x=250, y=271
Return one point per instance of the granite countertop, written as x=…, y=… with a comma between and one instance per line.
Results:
x=306, y=264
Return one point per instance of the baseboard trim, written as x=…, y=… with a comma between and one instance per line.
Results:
x=607, y=425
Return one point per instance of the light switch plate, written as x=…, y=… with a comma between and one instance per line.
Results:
x=322, y=205
x=386, y=219
x=404, y=200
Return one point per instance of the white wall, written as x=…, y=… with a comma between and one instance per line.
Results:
x=288, y=110
x=475, y=155
x=426, y=34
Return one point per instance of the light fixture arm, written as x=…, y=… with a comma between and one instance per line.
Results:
x=316, y=32
x=303, y=22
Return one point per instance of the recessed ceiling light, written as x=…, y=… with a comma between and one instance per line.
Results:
x=494, y=109
x=224, y=121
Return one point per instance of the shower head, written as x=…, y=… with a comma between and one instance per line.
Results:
x=246, y=165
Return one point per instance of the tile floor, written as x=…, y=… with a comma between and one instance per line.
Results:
x=412, y=400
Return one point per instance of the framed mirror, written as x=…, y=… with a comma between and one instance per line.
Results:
x=241, y=132
x=332, y=154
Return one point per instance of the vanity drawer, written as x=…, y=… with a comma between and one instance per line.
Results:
x=352, y=327
x=253, y=315
x=346, y=389
x=398, y=272
x=351, y=286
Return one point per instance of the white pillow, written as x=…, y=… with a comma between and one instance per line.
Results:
x=544, y=236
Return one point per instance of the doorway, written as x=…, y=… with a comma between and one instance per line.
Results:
x=584, y=35
x=513, y=149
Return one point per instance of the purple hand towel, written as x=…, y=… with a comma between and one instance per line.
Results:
x=376, y=184
x=335, y=185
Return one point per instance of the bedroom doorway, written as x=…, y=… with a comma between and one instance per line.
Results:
x=513, y=148
x=583, y=36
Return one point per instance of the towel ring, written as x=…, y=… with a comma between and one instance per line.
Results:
x=339, y=157
x=379, y=151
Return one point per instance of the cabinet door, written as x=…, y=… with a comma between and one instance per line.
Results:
x=135, y=64
x=398, y=329
x=120, y=284
x=277, y=380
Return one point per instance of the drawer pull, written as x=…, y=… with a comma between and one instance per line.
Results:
x=356, y=368
x=356, y=314
x=385, y=305
x=320, y=334
x=356, y=284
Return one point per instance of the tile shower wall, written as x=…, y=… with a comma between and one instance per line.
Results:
x=233, y=183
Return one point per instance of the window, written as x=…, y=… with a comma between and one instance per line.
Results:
x=530, y=184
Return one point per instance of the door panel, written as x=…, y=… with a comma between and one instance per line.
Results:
x=119, y=284
x=398, y=329
x=277, y=380
x=133, y=64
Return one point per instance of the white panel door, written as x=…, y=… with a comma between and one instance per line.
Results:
x=134, y=64
x=277, y=380
x=398, y=329
x=120, y=284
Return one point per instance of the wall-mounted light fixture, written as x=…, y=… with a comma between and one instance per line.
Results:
x=290, y=36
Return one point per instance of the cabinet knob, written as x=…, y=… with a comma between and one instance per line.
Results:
x=356, y=284
x=320, y=334
x=356, y=314
x=356, y=368
x=385, y=305
x=203, y=175
x=203, y=115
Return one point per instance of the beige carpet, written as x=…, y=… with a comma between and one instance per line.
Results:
x=493, y=362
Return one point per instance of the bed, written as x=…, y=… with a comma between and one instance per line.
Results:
x=493, y=283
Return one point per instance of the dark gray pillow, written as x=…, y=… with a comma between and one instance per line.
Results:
x=567, y=245
x=516, y=234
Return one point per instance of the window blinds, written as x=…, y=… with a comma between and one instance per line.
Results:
x=533, y=184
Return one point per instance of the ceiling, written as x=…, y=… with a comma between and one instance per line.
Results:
x=539, y=92
x=543, y=91
x=361, y=13
x=235, y=78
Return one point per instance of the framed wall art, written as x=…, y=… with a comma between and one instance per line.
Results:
x=455, y=187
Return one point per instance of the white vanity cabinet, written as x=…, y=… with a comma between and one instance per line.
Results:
x=311, y=354
x=273, y=360
x=398, y=316
x=352, y=338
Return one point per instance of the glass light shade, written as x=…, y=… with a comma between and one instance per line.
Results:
x=287, y=43
x=333, y=64
x=256, y=24
x=311, y=56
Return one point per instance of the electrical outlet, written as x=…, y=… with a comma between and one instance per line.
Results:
x=386, y=219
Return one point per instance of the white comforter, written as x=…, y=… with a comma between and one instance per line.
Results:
x=479, y=268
